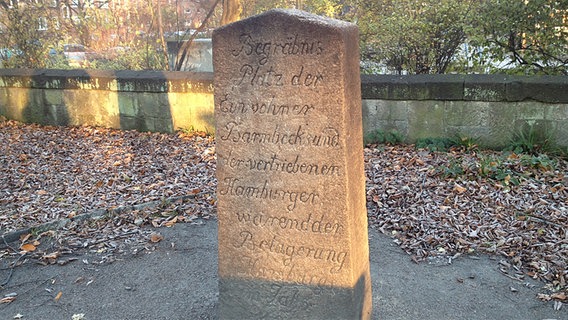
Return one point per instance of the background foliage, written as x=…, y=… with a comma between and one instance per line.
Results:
x=396, y=36
x=529, y=37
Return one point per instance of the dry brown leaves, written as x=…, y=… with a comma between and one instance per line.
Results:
x=49, y=173
x=53, y=173
x=430, y=214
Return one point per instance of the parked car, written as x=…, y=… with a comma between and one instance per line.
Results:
x=78, y=54
x=7, y=53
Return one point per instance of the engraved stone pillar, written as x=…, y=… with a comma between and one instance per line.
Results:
x=291, y=196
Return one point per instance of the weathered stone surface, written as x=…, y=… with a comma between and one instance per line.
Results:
x=426, y=119
x=291, y=196
x=485, y=88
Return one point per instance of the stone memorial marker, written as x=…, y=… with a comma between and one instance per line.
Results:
x=291, y=184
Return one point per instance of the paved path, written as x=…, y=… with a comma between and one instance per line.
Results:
x=179, y=282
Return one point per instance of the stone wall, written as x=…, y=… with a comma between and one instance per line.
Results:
x=142, y=100
x=489, y=108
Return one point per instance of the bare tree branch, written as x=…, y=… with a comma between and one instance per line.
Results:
x=182, y=53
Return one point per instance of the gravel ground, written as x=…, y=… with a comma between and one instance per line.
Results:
x=435, y=204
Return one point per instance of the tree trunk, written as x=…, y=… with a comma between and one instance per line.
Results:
x=161, y=33
x=232, y=10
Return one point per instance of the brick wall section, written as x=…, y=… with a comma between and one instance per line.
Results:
x=489, y=108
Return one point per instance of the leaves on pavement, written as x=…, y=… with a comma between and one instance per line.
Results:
x=432, y=204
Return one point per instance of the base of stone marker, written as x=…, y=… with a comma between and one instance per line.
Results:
x=255, y=299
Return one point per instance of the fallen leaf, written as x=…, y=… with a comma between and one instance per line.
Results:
x=544, y=296
x=171, y=222
x=25, y=237
x=28, y=247
x=48, y=233
x=7, y=299
x=53, y=255
x=156, y=237
x=559, y=296
x=459, y=189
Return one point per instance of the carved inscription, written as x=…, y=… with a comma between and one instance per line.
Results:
x=310, y=224
x=237, y=132
x=232, y=186
x=290, y=128
x=267, y=77
x=264, y=50
x=292, y=252
x=265, y=107
x=276, y=163
x=288, y=296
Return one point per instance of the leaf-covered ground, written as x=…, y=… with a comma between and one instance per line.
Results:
x=448, y=204
x=433, y=204
x=48, y=173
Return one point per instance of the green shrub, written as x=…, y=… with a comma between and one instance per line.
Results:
x=467, y=143
x=381, y=137
x=529, y=140
x=435, y=144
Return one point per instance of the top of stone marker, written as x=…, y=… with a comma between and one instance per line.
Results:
x=295, y=14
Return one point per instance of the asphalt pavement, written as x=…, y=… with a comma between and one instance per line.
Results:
x=177, y=279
